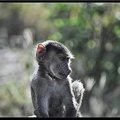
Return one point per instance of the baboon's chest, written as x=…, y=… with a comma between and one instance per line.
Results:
x=56, y=89
x=56, y=94
x=56, y=104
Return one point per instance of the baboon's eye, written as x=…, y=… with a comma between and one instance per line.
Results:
x=67, y=59
x=64, y=59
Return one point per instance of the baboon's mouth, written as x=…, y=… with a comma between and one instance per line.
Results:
x=63, y=75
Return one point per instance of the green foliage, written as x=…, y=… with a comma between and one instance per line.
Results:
x=14, y=99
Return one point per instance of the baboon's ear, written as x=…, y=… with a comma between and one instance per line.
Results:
x=40, y=52
x=40, y=47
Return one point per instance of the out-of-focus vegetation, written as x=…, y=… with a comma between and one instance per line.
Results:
x=90, y=30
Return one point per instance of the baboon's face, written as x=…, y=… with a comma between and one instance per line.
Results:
x=55, y=59
x=59, y=65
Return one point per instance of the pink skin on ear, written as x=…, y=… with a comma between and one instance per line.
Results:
x=39, y=48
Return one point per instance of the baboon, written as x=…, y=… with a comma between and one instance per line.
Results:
x=53, y=92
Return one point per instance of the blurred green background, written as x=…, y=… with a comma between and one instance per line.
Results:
x=90, y=30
